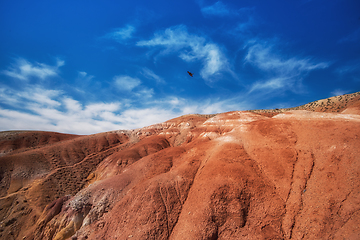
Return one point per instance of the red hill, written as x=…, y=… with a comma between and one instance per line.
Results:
x=281, y=174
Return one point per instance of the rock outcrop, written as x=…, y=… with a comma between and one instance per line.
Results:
x=291, y=174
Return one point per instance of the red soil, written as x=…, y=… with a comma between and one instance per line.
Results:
x=236, y=175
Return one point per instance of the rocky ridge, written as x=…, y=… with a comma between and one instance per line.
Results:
x=348, y=102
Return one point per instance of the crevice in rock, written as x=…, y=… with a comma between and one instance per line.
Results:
x=292, y=176
x=302, y=170
x=342, y=225
x=178, y=191
x=311, y=169
x=342, y=202
x=186, y=194
x=166, y=210
x=214, y=235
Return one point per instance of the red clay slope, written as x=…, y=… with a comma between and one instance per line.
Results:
x=236, y=175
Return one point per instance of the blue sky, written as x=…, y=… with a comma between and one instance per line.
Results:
x=91, y=66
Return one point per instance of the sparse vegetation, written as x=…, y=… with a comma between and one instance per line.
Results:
x=337, y=103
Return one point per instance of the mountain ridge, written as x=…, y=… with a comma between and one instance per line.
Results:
x=332, y=104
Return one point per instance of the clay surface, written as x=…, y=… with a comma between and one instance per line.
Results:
x=280, y=174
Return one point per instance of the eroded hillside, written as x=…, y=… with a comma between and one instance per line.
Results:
x=237, y=175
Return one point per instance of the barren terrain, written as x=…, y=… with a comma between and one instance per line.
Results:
x=262, y=174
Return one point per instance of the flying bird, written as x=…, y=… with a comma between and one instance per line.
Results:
x=191, y=75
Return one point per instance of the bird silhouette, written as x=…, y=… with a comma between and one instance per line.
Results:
x=191, y=75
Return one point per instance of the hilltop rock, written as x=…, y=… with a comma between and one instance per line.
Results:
x=289, y=174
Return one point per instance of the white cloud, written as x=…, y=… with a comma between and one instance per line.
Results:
x=190, y=48
x=12, y=119
x=126, y=83
x=23, y=70
x=144, y=93
x=183, y=106
x=173, y=39
x=214, y=60
x=71, y=116
x=272, y=84
x=209, y=106
x=41, y=96
x=151, y=75
x=134, y=118
x=218, y=9
x=60, y=63
x=84, y=76
x=96, y=109
x=53, y=110
x=284, y=72
x=8, y=96
x=338, y=92
x=264, y=57
x=212, y=57
x=33, y=107
x=129, y=84
x=121, y=34
x=34, y=94
x=72, y=105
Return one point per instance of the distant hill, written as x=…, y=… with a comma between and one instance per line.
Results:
x=332, y=104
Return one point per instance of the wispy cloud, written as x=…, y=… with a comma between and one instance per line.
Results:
x=121, y=34
x=352, y=37
x=23, y=69
x=34, y=95
x=53, y=110
x=217, y=9
x=190, y=47
x=244, y=26
x=338, y=92
x=173, y=39
x=144, y=93
x=126, y=83
x=62, y=113
x=283, y=72
x=35, y=107
x=348, y=69
x=149, y=74
x=84, y=82
x=136, y=117
x=272, y=84
x=85, y=76
x=264, y=56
